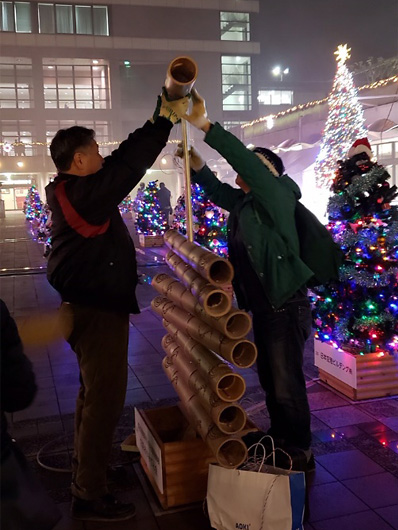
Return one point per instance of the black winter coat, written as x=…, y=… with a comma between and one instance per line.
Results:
x=93, y=261
x=18, y=386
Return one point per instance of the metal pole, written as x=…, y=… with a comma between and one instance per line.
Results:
x=187, y=174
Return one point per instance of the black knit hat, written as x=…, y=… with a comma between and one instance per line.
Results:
x=269, y=158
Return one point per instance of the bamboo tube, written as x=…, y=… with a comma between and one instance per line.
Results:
x=234, y=325
x=242, y=353
x=228, y=385
x=215, y=269
x=230, y=452
x=229, y=417
x=215, y=302
x=181, y=76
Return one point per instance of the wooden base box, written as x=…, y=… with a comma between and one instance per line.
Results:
x=174, y=458
x=150, y=241
x=357, y=376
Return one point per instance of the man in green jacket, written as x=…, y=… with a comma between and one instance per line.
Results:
x=270, y=277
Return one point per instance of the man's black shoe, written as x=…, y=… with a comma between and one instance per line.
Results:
x=106, y=508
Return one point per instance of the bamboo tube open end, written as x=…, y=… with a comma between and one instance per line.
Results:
x=238, y=325
x=232, y=453
x=231, y=387
x=217, y=303
x=232, y=419
x=221, y=272
x=244, y=354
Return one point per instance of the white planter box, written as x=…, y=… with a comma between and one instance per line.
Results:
x=357, y=376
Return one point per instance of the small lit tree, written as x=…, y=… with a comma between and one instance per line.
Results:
x=33, y=205
x=149, y=218
x=209, y=221
x=360, y=312
x=344, y=124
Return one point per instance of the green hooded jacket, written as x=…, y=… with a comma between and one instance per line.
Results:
x=266, y=216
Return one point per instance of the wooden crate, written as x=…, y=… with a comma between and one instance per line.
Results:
x=150, y=241
x=357, y=376
x=174, y=458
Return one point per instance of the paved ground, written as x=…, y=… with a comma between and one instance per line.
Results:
x=355, y=486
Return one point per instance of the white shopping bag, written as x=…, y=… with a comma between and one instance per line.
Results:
x=272, y=499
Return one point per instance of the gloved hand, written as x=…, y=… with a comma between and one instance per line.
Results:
x=198, y=115
x=171, y=110
x=196, y=161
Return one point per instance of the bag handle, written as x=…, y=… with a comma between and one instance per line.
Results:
x=260, y=463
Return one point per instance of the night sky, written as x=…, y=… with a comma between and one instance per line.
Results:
x=303, y=34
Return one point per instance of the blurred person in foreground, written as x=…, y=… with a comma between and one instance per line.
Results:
x=270, y=278
x=93, y=266
x=25, y=505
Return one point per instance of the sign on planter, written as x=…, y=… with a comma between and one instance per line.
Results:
x=338, y=363
x=149, y=449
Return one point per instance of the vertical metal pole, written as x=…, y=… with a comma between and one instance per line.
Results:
x=187, y=174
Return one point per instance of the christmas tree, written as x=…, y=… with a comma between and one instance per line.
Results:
x=149, y=219
x=126, y=206
x=344, y=124
x=359, y=313
x=209, y=221
x=32, y=206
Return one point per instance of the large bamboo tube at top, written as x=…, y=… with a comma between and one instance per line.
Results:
x=229, y=417
x=215, y=269
x=242, y=353
x=230, y=452
x=215, y=301
x=228, y=385
x=234, y=325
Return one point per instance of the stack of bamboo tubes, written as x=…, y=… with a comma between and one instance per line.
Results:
x=205, y=336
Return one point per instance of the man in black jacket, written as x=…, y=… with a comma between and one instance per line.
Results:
x=93, y=266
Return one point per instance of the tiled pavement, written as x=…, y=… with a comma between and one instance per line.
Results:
x=355, y=485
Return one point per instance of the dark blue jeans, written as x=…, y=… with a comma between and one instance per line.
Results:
x=280, y=336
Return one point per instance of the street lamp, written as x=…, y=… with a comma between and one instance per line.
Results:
x=277, y=71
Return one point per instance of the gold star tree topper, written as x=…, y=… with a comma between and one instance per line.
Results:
x=342, y=54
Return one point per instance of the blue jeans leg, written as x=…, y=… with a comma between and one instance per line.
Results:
x=280, y=337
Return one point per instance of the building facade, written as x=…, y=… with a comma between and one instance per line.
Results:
x=102, y=65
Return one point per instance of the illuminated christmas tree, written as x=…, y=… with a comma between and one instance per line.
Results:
x=344, y=124
x=360, y=312
x=33, y=205
x=209, y=221
x=126, y=206
x=149, y=219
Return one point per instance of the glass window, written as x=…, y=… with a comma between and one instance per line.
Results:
x=16, y=86
x=275, y=97
x=64, y=18
x=235, y=26
x=22, y=132
x=84, y=21
x=385, y=150
x=236, y=83
x=23, y=22
x=46, y=18
x=7, y=16
x=100, y=17
x=75, y=85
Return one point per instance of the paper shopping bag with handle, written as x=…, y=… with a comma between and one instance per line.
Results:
x=272, y=498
